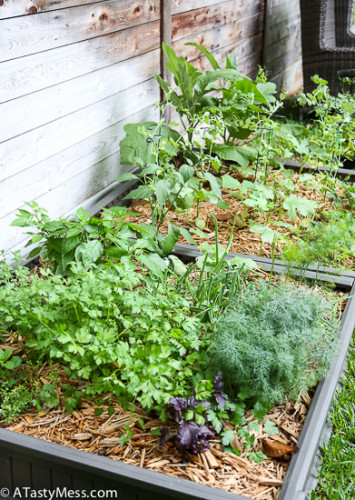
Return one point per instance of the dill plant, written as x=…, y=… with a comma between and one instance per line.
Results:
x=274, y=342
x=326, y=242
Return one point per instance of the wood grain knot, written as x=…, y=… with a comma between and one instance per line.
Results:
x=103, y=17
x=137, y=10
x=32, y=7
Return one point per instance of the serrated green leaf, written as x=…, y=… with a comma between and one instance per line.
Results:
x=270, y=427
x=227, y=437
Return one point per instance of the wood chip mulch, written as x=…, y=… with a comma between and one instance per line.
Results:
x=244, y=241
x=101, y=435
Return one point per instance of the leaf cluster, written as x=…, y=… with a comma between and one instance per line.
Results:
x=125, y=336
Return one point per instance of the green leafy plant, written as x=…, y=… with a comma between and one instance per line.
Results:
x=274, y=342
x=326, y=241
x=108, y=326
x=96, y=241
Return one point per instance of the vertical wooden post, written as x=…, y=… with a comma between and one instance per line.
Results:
x=165, y=36
x=264, y=52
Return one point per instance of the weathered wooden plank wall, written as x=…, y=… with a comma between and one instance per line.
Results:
x=282, y=50
x=72, y=72
x=223, y=27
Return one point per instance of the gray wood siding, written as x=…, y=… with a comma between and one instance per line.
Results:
x=73, y=72
x=283, y=57
x=223, y=27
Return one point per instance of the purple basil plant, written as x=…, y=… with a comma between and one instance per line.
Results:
x=192, y=436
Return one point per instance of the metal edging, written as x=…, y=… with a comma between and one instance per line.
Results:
x=342, y=279
x=299, y=480
x=109, y=470
x=342, y=173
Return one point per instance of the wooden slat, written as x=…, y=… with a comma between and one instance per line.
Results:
x=28, y=149
x=57, y=101
x=14, y=8
x=291, y=78
x=229, y=35
x=55, y=66
x=26, y=35
x=206, y=18
x=179, y=6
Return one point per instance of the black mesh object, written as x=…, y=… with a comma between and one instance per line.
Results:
x=328, y=45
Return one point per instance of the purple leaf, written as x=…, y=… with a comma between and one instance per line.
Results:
x=178, y=405
x=221, y=398
x=193, y=437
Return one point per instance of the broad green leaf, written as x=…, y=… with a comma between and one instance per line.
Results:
x=168, y=243
x=200, y=223
x=36, y=238
x=162, y=191
x=223, y=204
x=200, y=233
x=83, y=215
x=14, y=362
x=34, y=252
x=5, y=355
x=89, y=252
x=243, y=261
x=115, y=252
x=246, y=86
x=185, y=233
x=228, y=182
x=154, y=263
x=239, y=154
x=179, y=266
x=209, y=77
x=215, y=188
x=128, y=176
x=134, y=144
x=208, y=54
x=142, y=192
x=187, y=172
x=268, y=90
x=297, y=204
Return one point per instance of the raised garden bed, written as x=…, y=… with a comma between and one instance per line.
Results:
x=29, y=462
x=109, y=269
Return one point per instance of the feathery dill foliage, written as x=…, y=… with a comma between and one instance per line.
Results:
x=327, y=242
x=274, y=342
